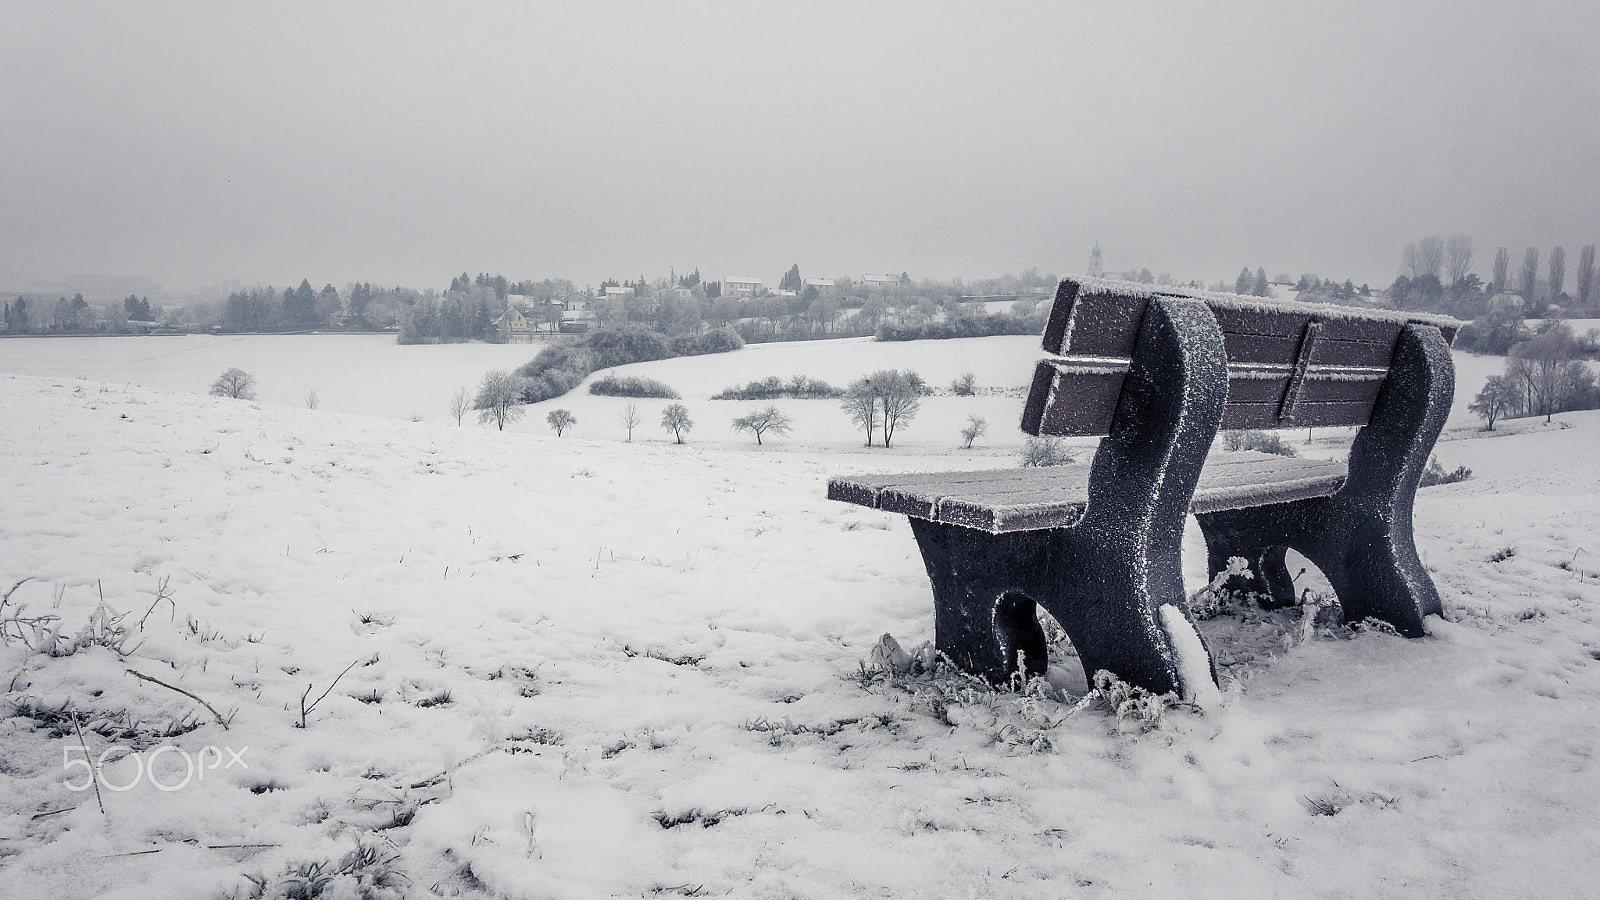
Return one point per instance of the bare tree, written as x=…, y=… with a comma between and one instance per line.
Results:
x=460, y=402
x=1430, y=256
x=897, y=395
x=560, y=420
x=1409, y=265
x=312, y=401
x=1497, y=398
x=235, y=383
x=1458, y=257
x=499, y=399
x=976, y=426
x=630, y=419
x=675, y=418
x=1585, y=274
x=1502, y=270
x=1558, y=273
x=770, y=419
x=1546, y=370
x=861, y=405
x=1529, y=274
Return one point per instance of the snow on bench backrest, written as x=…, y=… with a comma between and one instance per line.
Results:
x=1289, y=363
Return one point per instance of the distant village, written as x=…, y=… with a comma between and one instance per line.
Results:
x=1435, y=276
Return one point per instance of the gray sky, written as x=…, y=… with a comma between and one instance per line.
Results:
x=402, y=143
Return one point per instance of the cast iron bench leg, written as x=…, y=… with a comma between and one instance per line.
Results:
x=1361, y=537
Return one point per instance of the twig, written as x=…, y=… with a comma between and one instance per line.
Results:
x=7, y=596
x=161, y=594
x=53, y=812
x=94, y=774
x=220, y=720
x=306, y=710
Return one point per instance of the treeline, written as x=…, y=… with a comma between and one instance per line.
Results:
x=1436, y=275
x=1544, y=374
x=964, y=323
x=362, y=307
x=559, y=367
x=455, y=317
x=76, y=316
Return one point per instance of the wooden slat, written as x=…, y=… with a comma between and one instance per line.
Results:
x=1003, y=500
x=1071, y=399
x=1101, y=318
x=1307, y=414
x=1085, y=321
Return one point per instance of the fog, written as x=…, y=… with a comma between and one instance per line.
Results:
x=192, y=143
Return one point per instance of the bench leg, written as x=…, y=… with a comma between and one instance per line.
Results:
x=1111, y=583
x=1104, y=585
x=1260, y=542
x=1361, y=537
x=1366, y=553
x=983, y=598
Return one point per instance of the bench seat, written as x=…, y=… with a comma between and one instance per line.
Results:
x=1027, y=499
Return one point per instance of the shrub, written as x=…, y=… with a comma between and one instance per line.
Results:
x=1045, y=451
x=1262, y=441
x=235, y=383
x=559, y=367
x=799, y=387
x=631, y=386
x=965, y=386
x=981, y=325
x=720, y=341
x=1435, y=474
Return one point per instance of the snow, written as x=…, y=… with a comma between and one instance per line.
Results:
x=557, y=648
x=1194, y=667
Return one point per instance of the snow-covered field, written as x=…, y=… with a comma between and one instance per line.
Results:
x=576, y=667
x=369, y=374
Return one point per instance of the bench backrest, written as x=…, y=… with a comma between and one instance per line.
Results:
x=1289, y=364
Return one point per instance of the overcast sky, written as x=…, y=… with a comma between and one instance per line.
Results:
x=401, y=144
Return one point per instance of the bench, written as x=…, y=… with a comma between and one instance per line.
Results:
x=1156, y=373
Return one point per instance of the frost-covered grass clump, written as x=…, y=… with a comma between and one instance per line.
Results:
x=1021, y=713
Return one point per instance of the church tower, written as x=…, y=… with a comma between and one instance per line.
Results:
x=1096, y=270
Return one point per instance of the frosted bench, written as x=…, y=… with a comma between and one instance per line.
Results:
x=1157, y=374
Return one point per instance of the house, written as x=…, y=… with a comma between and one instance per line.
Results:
x=514, y=323
x=740, y=285
x=578, y=317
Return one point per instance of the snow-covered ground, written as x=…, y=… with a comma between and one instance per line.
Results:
x=369, y=374
x=584, y=668
x=578, y=667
